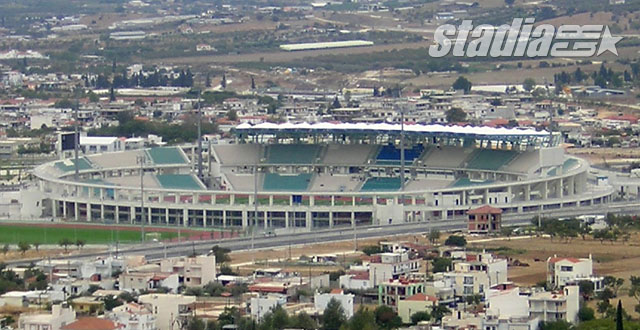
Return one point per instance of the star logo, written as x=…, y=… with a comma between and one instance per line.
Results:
x=608, y=42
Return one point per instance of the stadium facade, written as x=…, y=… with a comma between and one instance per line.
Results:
x=324, y=175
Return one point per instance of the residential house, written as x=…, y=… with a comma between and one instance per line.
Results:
x=385, y=266
x=392, y=291
x=321, y=300
x=170, y=310
x=562, y=271
x=91, y=323
x=60, y=316
x=417, y=303
x=556, y=305
x=133, y=316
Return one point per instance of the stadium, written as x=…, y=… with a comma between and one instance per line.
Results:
x=322, y=175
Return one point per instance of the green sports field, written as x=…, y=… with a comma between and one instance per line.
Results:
x=14, y=233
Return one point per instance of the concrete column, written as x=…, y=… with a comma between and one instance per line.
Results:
x=232, y=199
x=485, y=196
x=224, y=219
x=132, y=214
x=330, y=219
x=308, y=219
x=166, y=216
x=185, y=217
x=194, y=198
x=286, y=219
x=353, y=219
x=527, y=192
x=148, y=215
x=545, y=190
x=54, y=208
x=116, y=215
x=245, y=219
x=265, y=219
x=76, y=214
x=64, y=209
x=88, y=206
x=560, y=188
x=204, y=218
x=102, y=212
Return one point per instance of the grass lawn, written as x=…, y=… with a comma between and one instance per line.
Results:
x=12, y=234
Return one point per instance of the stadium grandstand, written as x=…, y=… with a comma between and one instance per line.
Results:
x=320, y=175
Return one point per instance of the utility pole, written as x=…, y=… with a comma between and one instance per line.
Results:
x=199, y=138
x=255, y=202
x=402, y=161
x=76, y=137
x=141, y=160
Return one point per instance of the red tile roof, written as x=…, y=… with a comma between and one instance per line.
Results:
x=422, y=297
x=572, y=260
x=336, y=291
x=485, y=210
x=90, y=323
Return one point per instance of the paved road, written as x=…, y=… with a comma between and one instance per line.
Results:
x=159, y=250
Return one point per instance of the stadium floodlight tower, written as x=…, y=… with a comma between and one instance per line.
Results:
x=199, y=137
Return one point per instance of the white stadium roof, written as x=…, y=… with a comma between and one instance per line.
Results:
x=395, y=128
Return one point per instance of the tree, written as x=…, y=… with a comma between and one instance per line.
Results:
x=441, y=264
x=619, y=320
x=438, y=312
x=363, y=319
x=80, y=243
x=36, y=245
x=195, y=323
x=371, y=249
x=614, y=283
x=418, y=317
x=586, y=314
x=5, y=249
x=555, y=325
x=303, y=321
x=23, y=247
x=462, y=83
x=63, y=104
x=223, y=82
x=586, y=288
x=112, y=94
x=333, y=316
x=336, y=103
x=207, y=82
x=434, y=236
x=253, y=86
x=455, y=240
x=634, y=290
x=456, y=115
x=111, y=302
x=221, y=254
x=529, y=84
x=232, y=115
x=506, y=231
x=386, y=318
x=65, y=242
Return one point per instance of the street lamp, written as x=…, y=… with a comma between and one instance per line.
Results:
x=141, y=160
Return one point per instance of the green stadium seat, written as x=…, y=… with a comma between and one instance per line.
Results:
x=178, y=181
x=492, y=160
x=382, y=184
x=164, y=156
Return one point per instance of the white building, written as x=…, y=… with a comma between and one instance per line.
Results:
x=170, y=310
x=356, y=281
x=562, y=271
x=195, y=271
x=556, y=305
x=59, y=317
x=387, y=266
x=133, y=316
x=261, y=305
x=321, y=300
x=100, y=144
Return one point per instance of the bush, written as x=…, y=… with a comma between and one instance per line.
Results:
x=455, y=240
x=586, y=314
x=371, y=249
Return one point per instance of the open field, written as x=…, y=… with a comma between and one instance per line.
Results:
x=45, y=233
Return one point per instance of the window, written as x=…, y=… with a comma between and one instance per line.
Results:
x=566, y=268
